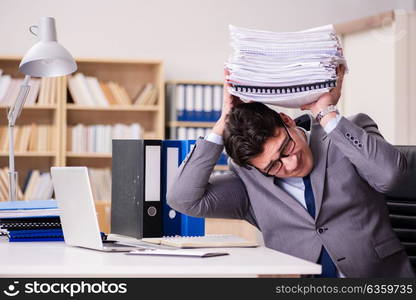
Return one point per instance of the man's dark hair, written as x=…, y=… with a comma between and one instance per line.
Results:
x=247, y=128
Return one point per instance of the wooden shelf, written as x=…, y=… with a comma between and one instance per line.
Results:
x=124, y=108
x=29, y=154
x=33, y=107
x=195, y=82
x=88, y=155
x=191, y=124
x=131, y=74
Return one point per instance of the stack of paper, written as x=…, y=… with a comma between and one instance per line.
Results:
x=288, y=69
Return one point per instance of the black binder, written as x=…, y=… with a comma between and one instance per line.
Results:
x=136, y=208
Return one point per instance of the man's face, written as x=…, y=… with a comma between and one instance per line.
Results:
x=291, y=147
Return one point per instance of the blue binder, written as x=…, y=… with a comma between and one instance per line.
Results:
x=174, y=222
x=36, y=235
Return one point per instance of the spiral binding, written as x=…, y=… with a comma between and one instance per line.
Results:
x=284, y=89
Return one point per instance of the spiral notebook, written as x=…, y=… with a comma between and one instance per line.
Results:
x=207, y=241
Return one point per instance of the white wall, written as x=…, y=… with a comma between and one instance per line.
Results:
x=191, y=36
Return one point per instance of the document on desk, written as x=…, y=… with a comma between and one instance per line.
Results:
x=184, y=253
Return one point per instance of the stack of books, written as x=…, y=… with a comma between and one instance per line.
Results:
x=37, y=185
x=29, y=138
x=288, y=69
x=97, y=138
x=100, y=184
x=27, y=221
x=89, y=91
x=43, y=91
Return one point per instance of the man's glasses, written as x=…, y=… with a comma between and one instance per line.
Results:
x=287, y=148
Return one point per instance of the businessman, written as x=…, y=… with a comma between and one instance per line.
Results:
x=314, y=193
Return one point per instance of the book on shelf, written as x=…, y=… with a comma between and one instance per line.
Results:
x=147, y=96
x=100, y=184
x=97, y=138
x=119, y=93
x=36, y=186
x=4, y=186
x=43, y=91
x=31, y=137
x=78, y=88
x=89, y=91
x=207, y=241
x=97, y=93
x=112, y=99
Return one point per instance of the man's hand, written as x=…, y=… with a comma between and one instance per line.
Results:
x=329, y=98
x=228, y=103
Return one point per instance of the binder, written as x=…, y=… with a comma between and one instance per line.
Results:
x=223, y=159
x=191, y=133
x=181, y=133
x=180, y=102
x=217, y=104
x=174, y=222
x=189, y=103
x=200, y=132
x=136, y=208
x=208, y=103
x=26, y=223
x=171, y=152
x=199, y=105
x=190, y=226
x=36, y=235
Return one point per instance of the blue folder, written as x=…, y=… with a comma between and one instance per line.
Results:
x=174, y=222
x=36, y=235
x=32, y=204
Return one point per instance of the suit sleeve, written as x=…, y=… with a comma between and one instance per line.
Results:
x=377, y=161
x=196, y=193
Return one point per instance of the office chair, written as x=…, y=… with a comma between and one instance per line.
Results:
x=401, y=203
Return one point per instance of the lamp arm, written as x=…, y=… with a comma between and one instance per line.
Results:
x=12, y=116
x=17, y=106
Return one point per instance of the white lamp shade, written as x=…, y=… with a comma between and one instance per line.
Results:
x=47, y=58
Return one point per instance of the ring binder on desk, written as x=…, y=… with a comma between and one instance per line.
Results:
x=136, y=208
x=174, y=222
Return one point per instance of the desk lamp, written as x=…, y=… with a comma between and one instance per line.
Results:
x=46, y=58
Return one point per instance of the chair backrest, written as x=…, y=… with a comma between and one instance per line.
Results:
x=401, y=202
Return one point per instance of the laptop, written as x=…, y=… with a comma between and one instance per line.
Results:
x=78, y=216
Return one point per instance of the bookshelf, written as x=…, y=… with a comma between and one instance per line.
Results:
x=37, y=136
x=193, y=108
x=64, y=114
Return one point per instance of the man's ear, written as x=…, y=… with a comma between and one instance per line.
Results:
x=288, y=120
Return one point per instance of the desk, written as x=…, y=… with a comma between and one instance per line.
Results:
x=55, y=259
